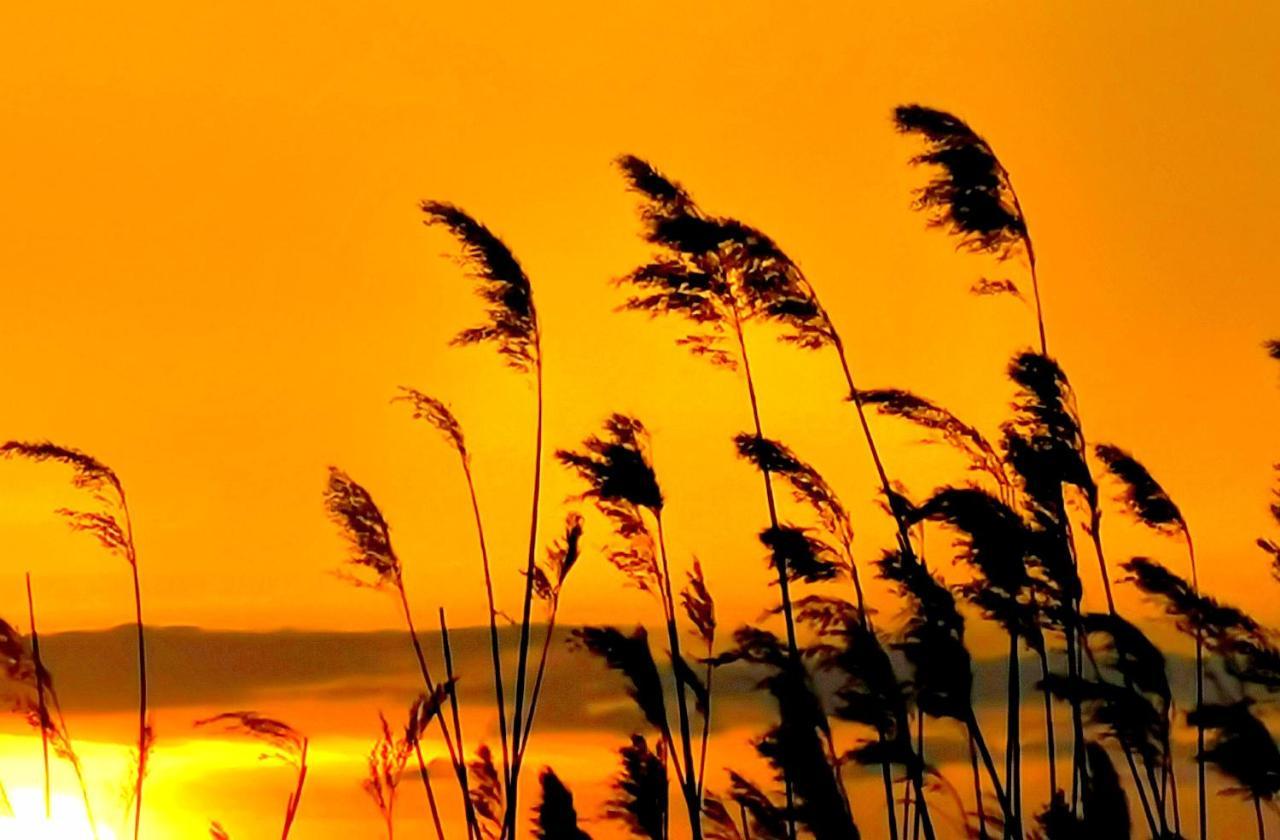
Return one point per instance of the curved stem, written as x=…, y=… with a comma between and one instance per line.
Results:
x=459, y=765
x=522, y=662
x=1200, y=771
x=143, y=736
x=426, y=784
x=494, y=653
x=296, y=797
x=691, y=798
x=41, y=708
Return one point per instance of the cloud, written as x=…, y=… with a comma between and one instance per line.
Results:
x=195, y=668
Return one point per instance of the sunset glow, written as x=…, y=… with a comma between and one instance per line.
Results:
x=218, y=281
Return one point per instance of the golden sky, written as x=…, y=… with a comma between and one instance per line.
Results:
x=215, y=276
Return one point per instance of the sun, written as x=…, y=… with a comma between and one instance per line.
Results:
x=28, y=820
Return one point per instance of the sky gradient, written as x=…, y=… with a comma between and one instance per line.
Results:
x=216, y=278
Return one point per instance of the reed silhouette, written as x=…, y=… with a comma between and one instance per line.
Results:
x=288, y=745
x=112, y=526
x=849, y=686
x=512, y=327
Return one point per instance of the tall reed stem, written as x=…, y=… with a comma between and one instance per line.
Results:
x=784, y=587
x=426, y=784
x=1013, y=736
x=459, y=765
x=1203, y=812
x=473, y=827
x=904, y=545
x=499, y=691
x=690, y=784
x=295, y=800
x=42, y=708
x=144, y=746
x=513, y=782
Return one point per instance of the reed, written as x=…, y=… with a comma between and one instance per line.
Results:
x=112, y=526
x=287, y=745
x=375, y=565
x=512, y=326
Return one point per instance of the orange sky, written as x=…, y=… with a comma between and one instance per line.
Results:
x=215, y=276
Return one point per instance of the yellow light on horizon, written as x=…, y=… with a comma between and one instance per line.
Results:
x=28, y=821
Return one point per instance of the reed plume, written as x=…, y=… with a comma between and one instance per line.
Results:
x=639, y=798
x=971, y=196
x=800, y=747
x=487, y=796
x=548, y=583
x=112, y=526
x=386, y=763
x=1242, y=749
x=288, y=745
x=555, y=818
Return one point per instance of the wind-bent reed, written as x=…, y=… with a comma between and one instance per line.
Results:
x=1148, y=502
x=112, y=526
x=437, y=414
x=513, y=327
x=288, y=744
x=618, y=470
x=972, y=197
x=352, y=508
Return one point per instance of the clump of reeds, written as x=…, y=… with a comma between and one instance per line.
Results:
x=112, y=526
x=288, y=745
x=617, y=468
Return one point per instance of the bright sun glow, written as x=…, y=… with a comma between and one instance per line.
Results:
x=28, y=821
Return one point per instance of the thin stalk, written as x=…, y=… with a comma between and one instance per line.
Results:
x=1257, y=811
x=42, y=708
x=75, y=765
x=459, y=767
x=522, y=662
x=426, y=784
x=1013, y=735
x=784, y=587
x=498, y=691
x=1050, y=738
x=539, y=675
x=1031, y=258
x=143, y=746
x=292, y=810
x=692, y=801
x=473, y=827
x=1012, y=829
x=979, y=805
x=706, y=729
x=1200, y=773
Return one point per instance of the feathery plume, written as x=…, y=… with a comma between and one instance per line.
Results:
x=640, y=790
x=971, y=197
x=555, y=817
x=512, y=320
x=352, y=508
